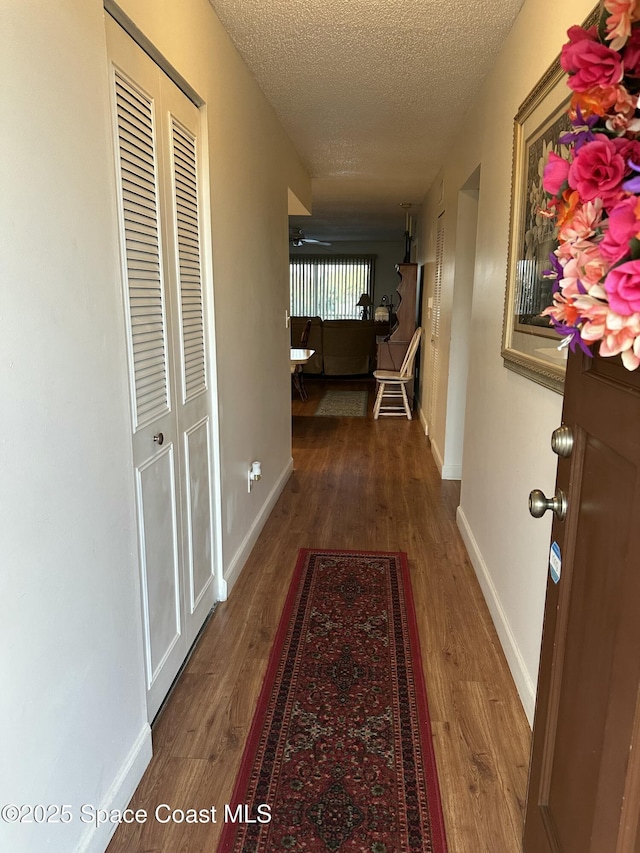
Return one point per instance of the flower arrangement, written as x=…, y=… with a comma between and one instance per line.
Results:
x=594, y=193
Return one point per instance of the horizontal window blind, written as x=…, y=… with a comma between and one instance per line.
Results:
x=330, y=287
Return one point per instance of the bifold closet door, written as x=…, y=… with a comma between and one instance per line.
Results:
x=157, y=146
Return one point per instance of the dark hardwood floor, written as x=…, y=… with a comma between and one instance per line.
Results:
x=358, y=483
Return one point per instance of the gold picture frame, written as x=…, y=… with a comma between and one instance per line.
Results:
x=529, y=343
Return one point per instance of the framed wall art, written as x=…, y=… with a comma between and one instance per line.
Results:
x=529, y=343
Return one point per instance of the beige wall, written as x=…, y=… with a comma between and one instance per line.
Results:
x=72, y=711
x=509, y=419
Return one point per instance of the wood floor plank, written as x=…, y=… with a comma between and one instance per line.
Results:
x=362, y=484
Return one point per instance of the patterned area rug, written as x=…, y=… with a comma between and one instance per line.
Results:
x=339, y=757
x=337, y=403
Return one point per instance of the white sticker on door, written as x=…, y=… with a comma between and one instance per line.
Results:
x=555, y=562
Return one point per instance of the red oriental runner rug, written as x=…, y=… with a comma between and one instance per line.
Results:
x=339, y=756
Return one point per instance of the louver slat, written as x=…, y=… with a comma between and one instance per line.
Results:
x=139, y=209
x=185, y=188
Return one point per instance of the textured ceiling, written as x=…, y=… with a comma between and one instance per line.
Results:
x=370, y=92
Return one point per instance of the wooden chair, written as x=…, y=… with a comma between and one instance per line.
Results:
x=396, y=381
x=296, y=369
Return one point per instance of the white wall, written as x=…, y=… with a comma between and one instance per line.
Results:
x=388, y=253
x=72, y=711
x=509, y=419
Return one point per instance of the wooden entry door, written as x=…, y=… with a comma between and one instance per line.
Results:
x=158, y=147
x=584, y=782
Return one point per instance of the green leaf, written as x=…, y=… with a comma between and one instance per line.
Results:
x=602, y=25
x=634, y=246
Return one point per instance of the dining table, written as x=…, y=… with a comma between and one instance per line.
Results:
x=299, y=356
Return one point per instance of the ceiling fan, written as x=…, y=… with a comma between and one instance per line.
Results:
x=297, y=238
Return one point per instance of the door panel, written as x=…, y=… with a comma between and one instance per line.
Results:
x=160, y=563
x=198, y=462
x=191, y=381
x=583, y=786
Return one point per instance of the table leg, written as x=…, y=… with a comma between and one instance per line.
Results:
x=298, y=382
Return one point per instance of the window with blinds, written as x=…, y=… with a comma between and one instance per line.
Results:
x=330, y=287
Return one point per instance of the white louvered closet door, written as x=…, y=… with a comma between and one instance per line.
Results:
x=157, y=159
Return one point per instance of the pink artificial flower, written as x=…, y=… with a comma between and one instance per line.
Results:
x=623, y=225
x=593, y=267
x=623, y=288
x=576, y=36
x=598, y=170
x=631, y=356
x=583, y=270
x=555, y=173
x=574, y=248
x=621, y=112
x=621, y=123
x=566, y=250
x=593, y=314
x=622, y=336
x=562, y=311
x=570, y=281
x=590, y=64
x=584, y=223
x=629, y=149
x=621, y=14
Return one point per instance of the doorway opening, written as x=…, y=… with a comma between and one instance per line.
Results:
x=465, y=258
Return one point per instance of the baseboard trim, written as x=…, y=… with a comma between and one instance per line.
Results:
x=451, y=472
x=524, y=685
x=120, y=793
x=423, y=420
x=241, y=556
x=435, y=452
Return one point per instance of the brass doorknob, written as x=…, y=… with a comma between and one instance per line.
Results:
x=539, y=504
x=562, y=441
